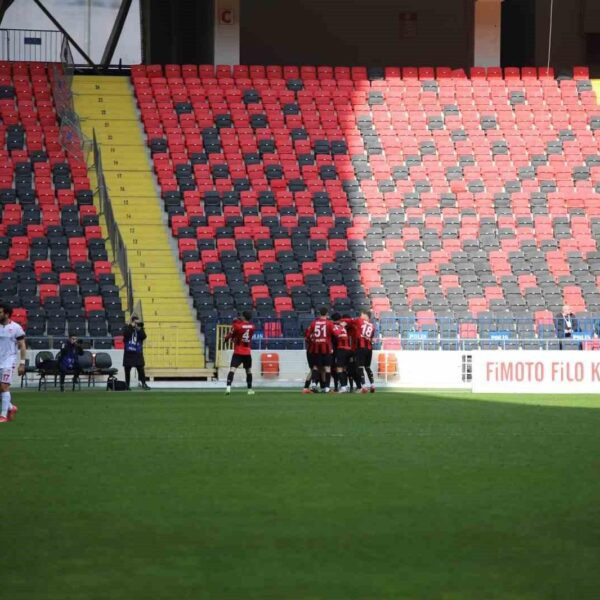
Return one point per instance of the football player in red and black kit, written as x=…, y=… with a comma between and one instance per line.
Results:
x=352, y=369
x=309, y=387
x=318, y=338
x=363, y=332
x=342, y=351
x=241, y=333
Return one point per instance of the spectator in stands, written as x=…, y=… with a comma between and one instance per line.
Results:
x=68, y=360
x=566, y=324
x=133, y=338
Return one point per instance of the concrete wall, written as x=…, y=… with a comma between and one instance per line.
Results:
x=499, y=371
x=487, y=33
x=444, y=370
x=456, y=33
x=359, y=32
x=227, y=32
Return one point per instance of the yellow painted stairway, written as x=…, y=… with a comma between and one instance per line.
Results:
x=596, y=88
x=174, y=346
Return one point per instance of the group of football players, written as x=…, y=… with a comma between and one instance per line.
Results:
x=338, y=348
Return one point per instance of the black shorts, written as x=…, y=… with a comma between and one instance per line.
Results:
x=309, y=359
x=321, y=360
x=364, y=357
x=342, y=358
x=241, y=359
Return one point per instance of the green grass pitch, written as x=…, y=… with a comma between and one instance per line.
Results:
x=194, y=495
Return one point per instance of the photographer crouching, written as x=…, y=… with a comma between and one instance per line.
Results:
x=133, y=338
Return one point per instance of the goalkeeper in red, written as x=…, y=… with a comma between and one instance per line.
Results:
x=241, y=334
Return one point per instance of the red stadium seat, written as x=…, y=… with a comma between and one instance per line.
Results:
x=581, y=73
x=47, y=290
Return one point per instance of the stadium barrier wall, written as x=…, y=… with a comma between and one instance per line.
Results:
x=414, y=369
x=552, y=372
x=494, y=371
x=499, y=371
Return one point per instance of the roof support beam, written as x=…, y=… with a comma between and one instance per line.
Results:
x=56, y=24
x=4, y=4
x=115, y=34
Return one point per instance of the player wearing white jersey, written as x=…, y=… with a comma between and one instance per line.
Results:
x=12, y=348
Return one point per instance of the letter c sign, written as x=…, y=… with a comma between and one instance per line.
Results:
x=226, y=16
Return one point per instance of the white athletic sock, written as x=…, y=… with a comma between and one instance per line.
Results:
x=5, y=404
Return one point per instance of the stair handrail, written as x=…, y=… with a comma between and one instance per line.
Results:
x=119, y=248
x=71, y=136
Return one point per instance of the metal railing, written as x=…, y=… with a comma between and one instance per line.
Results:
x=32, y=45
x=403, y=333
x=138, y=310
x=435, y=345
x=119, y=248
x=67, y=61
x=164, y=350
x=585, y=326
x=220, y=344
x=71, y=135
